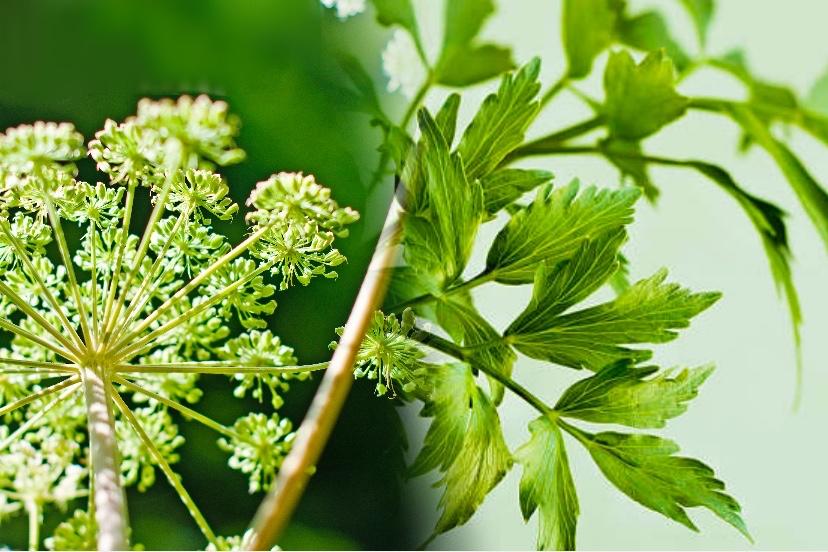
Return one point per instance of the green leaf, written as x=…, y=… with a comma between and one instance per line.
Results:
x=464, y=442
x=501, y=122
x=554, y=226
x=702, y=13
x=367, y=99
x=649, y=32
x=573, y=280
x=461, y=320
x=397, y=12
x=640, y=99
x=446, y=118
x=620, y=394
x=817, y=99
x=467, y=65
x=645, y=468
x=648, y=312
x=504, y=186
x=811, y=195
x=445, y=236
x=547, y=485
x=588, y=29
x=464, y=19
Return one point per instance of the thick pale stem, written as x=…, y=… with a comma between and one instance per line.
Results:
x=172, y=477
x=34, y=524
x=277, y=508
x=110, y=502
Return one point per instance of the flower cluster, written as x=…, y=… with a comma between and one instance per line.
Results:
x=146, y=315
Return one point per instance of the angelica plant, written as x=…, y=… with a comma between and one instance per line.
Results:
x=108, y=337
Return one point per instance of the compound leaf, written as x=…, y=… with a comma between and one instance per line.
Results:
x=501, y=122
x=620, y=394
x=503, y=186
x=640, y=98
x=547, y=486
x=554, y=226
x=648, y=312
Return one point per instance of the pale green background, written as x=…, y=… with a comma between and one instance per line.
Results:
x=773, y=461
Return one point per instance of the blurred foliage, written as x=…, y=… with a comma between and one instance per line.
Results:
x=87, y=60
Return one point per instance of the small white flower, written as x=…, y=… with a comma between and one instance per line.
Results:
x=345, y=8
x=402, y=64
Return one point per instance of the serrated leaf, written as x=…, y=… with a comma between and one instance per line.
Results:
x=464, y=442
x=588, y=29
x=554, y=226
x=645, y=468
x=640, y=98
x=648, y=312
x=648, y=31
x=501, y=122
x=547, y=485
x=503, y=186
x=446, y=118
x=702, y=13
x=455, y=207
x=621, y=394
x=466, y=65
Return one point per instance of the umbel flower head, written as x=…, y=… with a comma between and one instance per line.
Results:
x=108, y=335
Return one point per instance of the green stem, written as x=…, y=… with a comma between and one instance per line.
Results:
x=175, y=155
x=186, y=411
x=452, y=349
x=162, y=463
x=215, y=368
x=138, y=302
x=38, y=318
x=554, y=139
x=15, y=329
x=553, y=91
x=35, y=275
x=94, y=277
x=124, y=351
x=33, y=420
x=417, y=100
x=50, y=366
x=52, y=389
x=468, y=285
x=60, y=238
x=195, y=282
x=123, y=238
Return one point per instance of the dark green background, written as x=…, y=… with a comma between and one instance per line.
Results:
x=271, y=60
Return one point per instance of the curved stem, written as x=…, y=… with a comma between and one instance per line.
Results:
x=553, y=91
x=418, y=98
x=277, y=508
x=470, y=284
x=110, y=501
x=172, y=477
x=540, y=145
